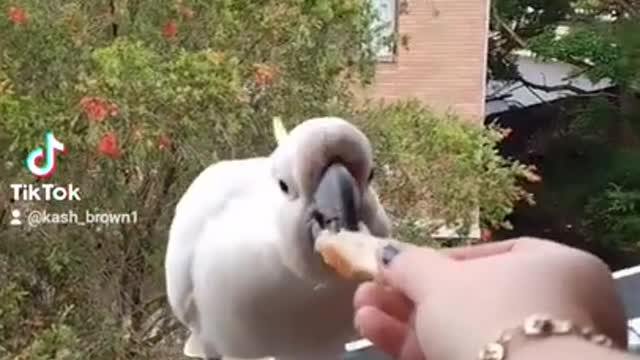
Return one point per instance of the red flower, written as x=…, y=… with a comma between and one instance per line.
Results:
x=17, y=15
x=108, y=145
x=170, y=29
x=486, y=235
x=98, y=109
x=506, y=132
x=164, y=142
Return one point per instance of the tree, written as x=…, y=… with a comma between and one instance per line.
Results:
x=513, y=23
x=598, y=37
x=600, y=41
x=144, y=95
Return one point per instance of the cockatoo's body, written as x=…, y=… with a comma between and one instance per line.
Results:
x=241, y=271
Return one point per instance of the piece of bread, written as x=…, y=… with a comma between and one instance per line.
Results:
x=353, y=255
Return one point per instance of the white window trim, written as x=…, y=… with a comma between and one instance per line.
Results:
x=391, y=55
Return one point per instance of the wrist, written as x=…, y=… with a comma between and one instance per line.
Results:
x=540, y=329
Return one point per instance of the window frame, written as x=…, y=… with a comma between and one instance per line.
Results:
x=388, y=54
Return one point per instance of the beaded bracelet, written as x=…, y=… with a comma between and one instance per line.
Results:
x=540, y=326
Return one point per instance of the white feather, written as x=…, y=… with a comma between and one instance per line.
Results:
x=237, y=274
x=226, y=278
x=279, y=131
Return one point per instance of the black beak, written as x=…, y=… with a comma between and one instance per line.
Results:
x=336, y=201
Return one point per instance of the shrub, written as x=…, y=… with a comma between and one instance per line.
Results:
x=593, y=185
x=612, y=209
x=144, y=94
x=614, y=217
x=441, y=168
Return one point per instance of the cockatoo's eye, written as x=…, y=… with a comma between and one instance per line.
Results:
x=283, y=187
x=371, y=175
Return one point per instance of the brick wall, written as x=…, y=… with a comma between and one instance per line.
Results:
x=444, y=64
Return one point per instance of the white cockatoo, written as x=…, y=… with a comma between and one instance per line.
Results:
x=241, y=270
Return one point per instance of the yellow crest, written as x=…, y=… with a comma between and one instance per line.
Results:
x=279, y=130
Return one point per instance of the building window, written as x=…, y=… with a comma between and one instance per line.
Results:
x=386, y=25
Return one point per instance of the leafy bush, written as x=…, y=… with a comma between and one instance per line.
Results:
x=592, y=184
x=58, y=342
x=145, y=95
x=612, y=209
x=614, y=217
x=441, y=168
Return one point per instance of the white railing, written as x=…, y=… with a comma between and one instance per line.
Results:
x=632, y=324
x=626, y=272
x=357, y=345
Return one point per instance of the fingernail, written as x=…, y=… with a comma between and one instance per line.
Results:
x=388, y=253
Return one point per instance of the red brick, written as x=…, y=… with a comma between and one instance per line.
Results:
x=444, y=65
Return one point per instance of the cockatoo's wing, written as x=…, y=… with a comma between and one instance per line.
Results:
x=205, y=199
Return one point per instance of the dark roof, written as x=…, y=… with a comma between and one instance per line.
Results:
x=629, y=290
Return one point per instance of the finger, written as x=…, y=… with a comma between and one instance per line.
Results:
x=499, y=248
x=411, y=349
x=385, y=332
x=412, y=270
x=384, y=298
x=477, y=251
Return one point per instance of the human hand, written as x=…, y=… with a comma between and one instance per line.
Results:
x=448, y=305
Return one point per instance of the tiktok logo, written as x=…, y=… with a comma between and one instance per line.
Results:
x=42, y=163
x=51, y=148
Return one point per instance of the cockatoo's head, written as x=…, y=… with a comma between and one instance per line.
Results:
x=323, y=169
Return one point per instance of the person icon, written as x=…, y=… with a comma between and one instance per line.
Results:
x=15, y=214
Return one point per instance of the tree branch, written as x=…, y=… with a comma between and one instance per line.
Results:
x=563, y=87
x=158, y=299
x=578, y=62
x=498, y=97
x=162, y=334
x=114, y=24
x=134, y=8
x=540, y=98
x=515, y=37
x=627, y=7
x=577, y=74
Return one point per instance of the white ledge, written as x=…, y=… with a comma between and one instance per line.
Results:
x=626, y=272
x=358, y=345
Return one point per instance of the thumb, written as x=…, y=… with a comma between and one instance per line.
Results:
x=411, y=270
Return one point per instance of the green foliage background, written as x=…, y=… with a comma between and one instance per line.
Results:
x=599, y=188
x=193, y=82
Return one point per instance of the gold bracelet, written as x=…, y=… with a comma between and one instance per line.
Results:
x=539, y=326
